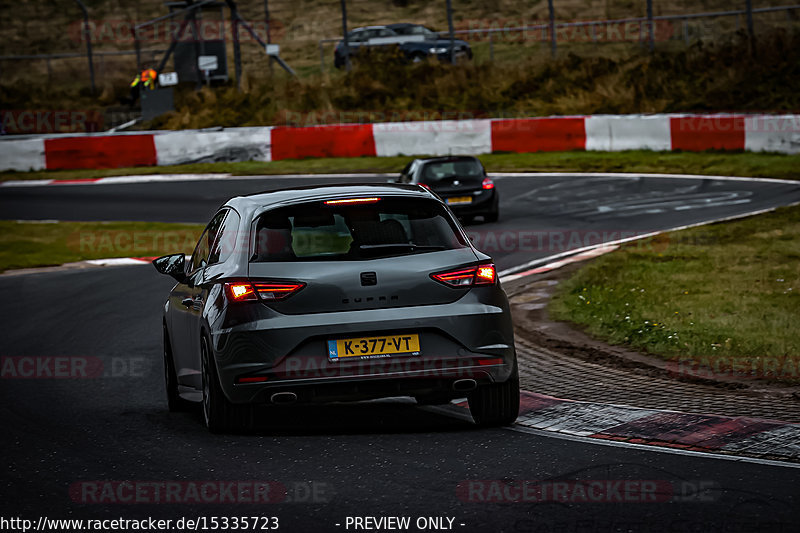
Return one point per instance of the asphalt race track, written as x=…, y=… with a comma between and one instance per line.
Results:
x=540, y=216
x=68, y=443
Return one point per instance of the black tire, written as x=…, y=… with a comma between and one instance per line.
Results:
x=220, y=415
x=174, y=402
x=496, y=404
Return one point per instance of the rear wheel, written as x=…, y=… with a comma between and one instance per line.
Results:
x=219, y=414
x=496, y=404
x=174, y=401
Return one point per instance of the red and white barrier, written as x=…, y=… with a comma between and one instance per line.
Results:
x=443, y=137
x=235, y=144
x=773, y=133
x=22, y=154
x=611, y=133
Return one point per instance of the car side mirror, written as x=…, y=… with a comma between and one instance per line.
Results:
x=172, y=265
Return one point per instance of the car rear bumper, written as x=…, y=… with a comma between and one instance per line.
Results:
x=469, y=339
x=482, y=204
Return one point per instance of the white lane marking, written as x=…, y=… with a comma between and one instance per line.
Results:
x=530, y=264
x=650, y=448
x=558, y=264
x=25, y=183
x=117, y=261
x=166, y=178
x=634, y=175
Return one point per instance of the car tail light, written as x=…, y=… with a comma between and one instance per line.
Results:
x=489, y=362
x=485, y=275
x=242, y=291
x=424, y=186
x=352, y=201
x=487, y=184
x=277, y=291
x=468, y=277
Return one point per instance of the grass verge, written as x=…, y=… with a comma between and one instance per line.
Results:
x=765, y=165
x=720, y=300
x=36, y=244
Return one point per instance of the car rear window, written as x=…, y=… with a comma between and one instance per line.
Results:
x=388, y=227
x=462, y=168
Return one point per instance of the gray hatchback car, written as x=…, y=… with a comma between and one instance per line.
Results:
x=336, y=293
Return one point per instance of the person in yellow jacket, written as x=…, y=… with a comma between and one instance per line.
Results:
x=147, y=78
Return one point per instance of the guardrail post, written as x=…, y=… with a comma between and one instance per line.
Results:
x=87, y=34
x=650, y=31
x=450, y=29
x=237, y=54
x=750, y=30
x=344, y=36
x=553, y=44
x=269, y=34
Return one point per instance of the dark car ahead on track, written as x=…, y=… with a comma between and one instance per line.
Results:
x=337, y=293
x=415, y=42
x=462, y=183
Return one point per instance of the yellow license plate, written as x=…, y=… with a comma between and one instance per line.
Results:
x=459, y=200
x=373, y=347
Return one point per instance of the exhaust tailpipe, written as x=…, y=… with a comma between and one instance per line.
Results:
x=464, y=385
x=283, y=398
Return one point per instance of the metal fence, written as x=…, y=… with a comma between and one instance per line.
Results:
x=644, y=30
x=105, y=63
x=491, y=39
